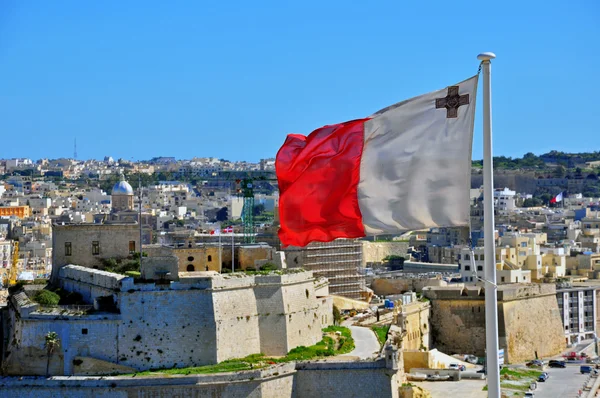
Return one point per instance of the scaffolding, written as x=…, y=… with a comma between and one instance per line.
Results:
x=338, y=261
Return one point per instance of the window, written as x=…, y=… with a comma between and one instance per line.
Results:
x=467, y=257
x=476, y=257
x=191, y=268
x=479, y=268
x=84, y=331
x=467, y=268
x=482, y=257
x=523, y=244
x=209, y=258
x=68, y=250
x=190, y=258
x=502, y=279
x=95, y=248
x=131, y=246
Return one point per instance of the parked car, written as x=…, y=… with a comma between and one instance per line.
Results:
x=454, y=366
x=557, y=364
x=535, y=362
x=543, y=377
x=585, y=369
x=529, y=394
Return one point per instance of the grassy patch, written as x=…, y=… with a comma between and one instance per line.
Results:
x=381, y=332
x=329, y=346
x=519, y=373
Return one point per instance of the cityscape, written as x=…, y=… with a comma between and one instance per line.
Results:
x=299, y=199
x=217, y=295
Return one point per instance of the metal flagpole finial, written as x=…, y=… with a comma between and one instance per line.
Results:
x=486, y=56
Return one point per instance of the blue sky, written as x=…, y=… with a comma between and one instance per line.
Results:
x=139, y=79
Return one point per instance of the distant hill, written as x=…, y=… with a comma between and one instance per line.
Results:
x=552, y=158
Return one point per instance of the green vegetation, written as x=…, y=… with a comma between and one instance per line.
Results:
x=134, y=274
x=393, y=257
x=381, y=332
x=517, y=379
x=329, y=346
x=122, y=265
x=46, y=298
x=337, y=316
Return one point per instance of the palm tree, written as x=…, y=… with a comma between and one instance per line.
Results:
x=52, y=342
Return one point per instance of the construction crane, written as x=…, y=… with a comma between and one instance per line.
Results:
x=245, y=184
x=12, y=273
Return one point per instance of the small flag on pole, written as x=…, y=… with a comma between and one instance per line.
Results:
x=406, y=167
x=228, y=230
x=557, y=198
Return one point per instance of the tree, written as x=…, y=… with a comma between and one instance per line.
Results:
x=51, y=343
x=532, y=202
x=559, y=172
x=337, y=316
x=592, y=176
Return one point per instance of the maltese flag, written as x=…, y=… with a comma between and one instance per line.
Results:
x=557, y=198
x=406, y=167
x=228, y=230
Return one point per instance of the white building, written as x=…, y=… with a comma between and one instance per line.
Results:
x=577, y=307
x=504, y=200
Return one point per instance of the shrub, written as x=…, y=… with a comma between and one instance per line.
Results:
x=268, y=267
x=47, y=298
x=134, y=274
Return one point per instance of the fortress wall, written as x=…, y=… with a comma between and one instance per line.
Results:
x=166, y=328
x=528, y=321
x=236, y=317
x=375, y=252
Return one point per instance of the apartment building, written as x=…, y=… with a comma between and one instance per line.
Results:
x=577, y=306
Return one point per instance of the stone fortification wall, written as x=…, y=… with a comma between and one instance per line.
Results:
x=290, y=380
x=528, y=321
x=375, y=252
x=92, y=283
x=346, y=379
x=192, y=322
x=273, y=382
x=89, y=335
x=531, y=323
x=387, y=286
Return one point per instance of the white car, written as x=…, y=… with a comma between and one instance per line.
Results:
x=529, y=395
x=454, y=366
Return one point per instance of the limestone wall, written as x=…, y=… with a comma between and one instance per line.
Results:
x=113, y=241
x=374, y=252
x=291, y=380
x=346, y=379
x=273, y=382
x=531, y=326
x=195, y=321
x=388, y=286
x=90, y=335
x=528, y=321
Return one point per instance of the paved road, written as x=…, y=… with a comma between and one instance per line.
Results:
x=450, y=389
x=561, y=383
x=365, y=342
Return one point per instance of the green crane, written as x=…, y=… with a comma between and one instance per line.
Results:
x=247, y=192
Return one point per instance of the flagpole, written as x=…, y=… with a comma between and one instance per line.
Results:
x=232, y=250
x=220, y=249
x=491, y=298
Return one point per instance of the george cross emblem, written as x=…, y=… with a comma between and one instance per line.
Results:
x=452, y=101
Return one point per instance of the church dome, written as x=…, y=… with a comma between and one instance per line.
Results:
x=122, y=188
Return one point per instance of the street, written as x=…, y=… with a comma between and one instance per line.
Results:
x=563, y=383
x=365, y=342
